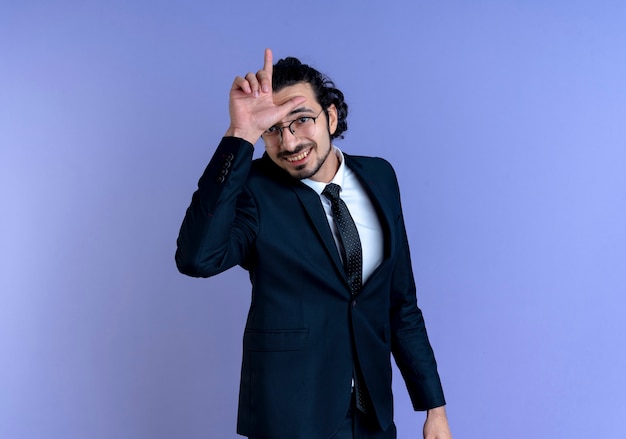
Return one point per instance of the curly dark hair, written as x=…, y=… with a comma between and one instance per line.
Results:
x=290, y=71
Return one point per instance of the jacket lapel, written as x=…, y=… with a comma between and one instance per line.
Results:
x=312, y=205
x=380, y=200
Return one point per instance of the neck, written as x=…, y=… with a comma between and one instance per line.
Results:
x=330, y=167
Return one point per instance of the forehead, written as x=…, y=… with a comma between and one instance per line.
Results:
x=299, y=89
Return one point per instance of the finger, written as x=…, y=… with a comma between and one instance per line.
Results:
x=241, y=84
x=254, y=83
x=267, y=65
x=266, y=74
x=265, y=80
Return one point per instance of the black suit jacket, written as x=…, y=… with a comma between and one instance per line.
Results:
x=303, y=328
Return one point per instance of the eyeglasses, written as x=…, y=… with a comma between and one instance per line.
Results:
x=304, y=126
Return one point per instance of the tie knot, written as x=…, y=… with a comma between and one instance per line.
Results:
x=332, y=191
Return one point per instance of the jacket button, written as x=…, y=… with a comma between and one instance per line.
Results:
x=220, y=179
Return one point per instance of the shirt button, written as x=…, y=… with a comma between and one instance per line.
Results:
x=353, y=303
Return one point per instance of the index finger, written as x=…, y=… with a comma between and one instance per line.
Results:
x=267, y=65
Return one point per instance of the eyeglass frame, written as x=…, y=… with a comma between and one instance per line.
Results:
x=289, y=124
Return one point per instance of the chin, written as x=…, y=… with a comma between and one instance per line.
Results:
x=301, y=172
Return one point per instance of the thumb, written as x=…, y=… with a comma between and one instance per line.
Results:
x=287, y=107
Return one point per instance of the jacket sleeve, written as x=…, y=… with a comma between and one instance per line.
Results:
x=409, y=343
x=221, y=222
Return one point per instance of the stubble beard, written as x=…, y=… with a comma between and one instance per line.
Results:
x=320, y=162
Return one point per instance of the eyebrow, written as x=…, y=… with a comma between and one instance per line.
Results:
x=301, y=110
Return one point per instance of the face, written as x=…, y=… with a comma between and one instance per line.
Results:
x=305, y=157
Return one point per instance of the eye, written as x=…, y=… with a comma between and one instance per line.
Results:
x=304, y=119
x=272, y=130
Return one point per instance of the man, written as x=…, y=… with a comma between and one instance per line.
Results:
x=332, y=285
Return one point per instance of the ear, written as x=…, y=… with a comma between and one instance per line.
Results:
x=333, y=119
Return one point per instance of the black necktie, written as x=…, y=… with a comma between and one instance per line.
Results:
x=352, y=262
x=352, y=253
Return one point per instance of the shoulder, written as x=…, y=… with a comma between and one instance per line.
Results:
x=265, y=174
x=371, y=165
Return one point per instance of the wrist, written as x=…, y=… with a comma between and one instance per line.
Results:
x=437, y=411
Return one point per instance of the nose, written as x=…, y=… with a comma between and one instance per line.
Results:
x=288, y=139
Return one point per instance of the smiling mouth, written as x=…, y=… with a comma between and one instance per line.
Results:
x=297, y=158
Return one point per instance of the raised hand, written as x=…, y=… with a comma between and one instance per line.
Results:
x=252, y=107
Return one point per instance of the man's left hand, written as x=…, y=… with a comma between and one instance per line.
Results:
x=436, y=425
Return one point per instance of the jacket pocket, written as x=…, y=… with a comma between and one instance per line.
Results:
x=275, y=340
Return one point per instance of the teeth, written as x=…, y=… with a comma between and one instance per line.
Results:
x=298, y=157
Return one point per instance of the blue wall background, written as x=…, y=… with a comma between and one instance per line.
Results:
x=504, y=120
